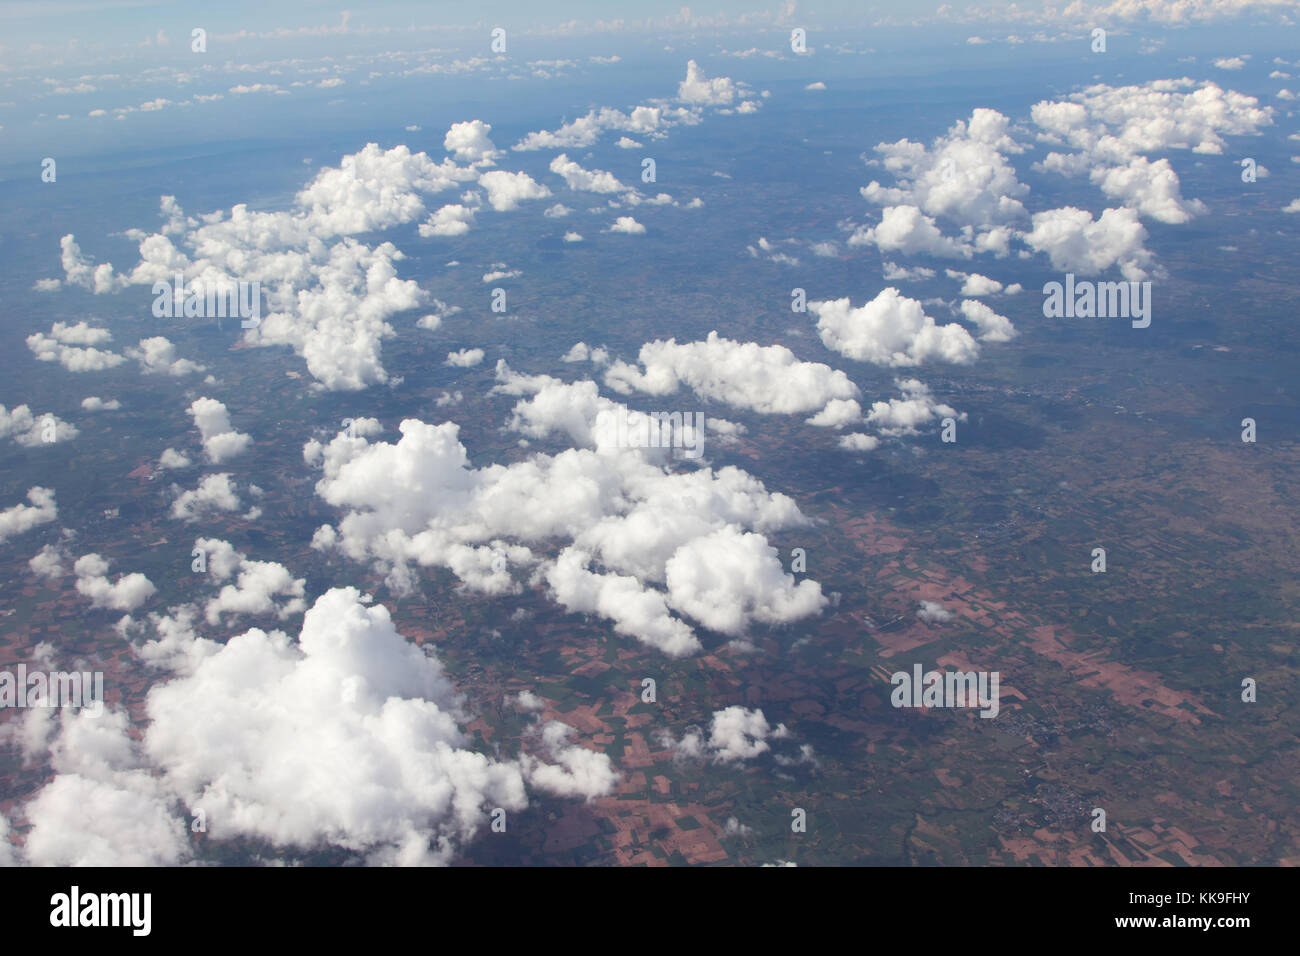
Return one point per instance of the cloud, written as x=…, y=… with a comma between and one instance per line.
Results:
x=697, y=89
x=21, y=517
x=736, y=734
x=71, y=347
x=577, y=771
x=171, y=458
x=992, y=327
x=126, y=594
x=907, y=230
x=256, y=586
x=30, y=430
x=215, y=493
x=932, y=612
x=598, y=524
x=904, y=416
x=963, y=177
x=93, y=403
x=46, y=563
x=766, y=379
x=507, y=190
x=891, y=330
x=157, y=356
x=257, y=735
x=220, y=441
x=859, y=442
x=465, y=358
x=728, y=580
x=469, y=142
x=1113, y=130
x=103, y=807
x=452, y=220
x=628, y=226
x=577, y=178
x=1074, y=242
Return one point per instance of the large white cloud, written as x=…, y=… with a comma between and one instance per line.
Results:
x=325, y=294
x=599, y=523
x=1076, y=243
x=963, y=176
x=347, y=736
x=1114, y=130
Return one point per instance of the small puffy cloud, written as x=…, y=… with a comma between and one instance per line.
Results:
x=469, y=142
x=215, y=493
x=72, y=346
x=24, y=517
x=627, y=142
x=906, y=229
x=575, y=772
x=451, y=220
x=93, y=403
x=1230, y=62
x=767, y=379
x=932, y=612
x=581, y=352
x=728, y=580
x=891, y=330
x=31, y=430
x=697, y=89
x=171, y=458
x=735, y=734
x=220, y=441
x=838, y=413
x=157, y=356
x=572, y=236
x=587, y=180
x=505, y=191
x=992, y=327
x=256, y=585
x=464, y=358
x=628, y=226
x=857, y=441
x=819, y=85
x=48, y=562
x=893, y=272
x=905, y=416
x=126, y=594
